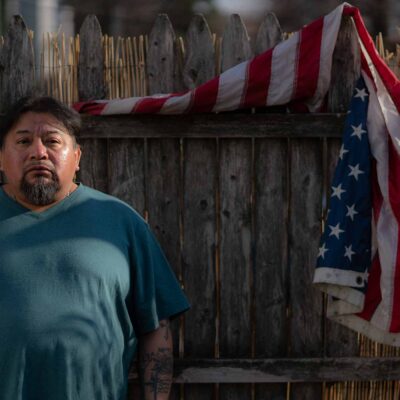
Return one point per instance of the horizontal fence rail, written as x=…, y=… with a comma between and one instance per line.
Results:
x=237, y=202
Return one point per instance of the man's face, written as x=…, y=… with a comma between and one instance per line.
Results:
x=39, y=159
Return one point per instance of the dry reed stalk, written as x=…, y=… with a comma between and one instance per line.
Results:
x=116, y=68
x=111, y=66
x=76, y=63
x=142, y=64
x=131, y=67
x=137, y=66
x=125, y=68
x=42, y=77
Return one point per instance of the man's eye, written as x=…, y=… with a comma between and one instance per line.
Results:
x=52, y=141
x=23, y=141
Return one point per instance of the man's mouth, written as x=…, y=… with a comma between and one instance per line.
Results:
x=39, y=170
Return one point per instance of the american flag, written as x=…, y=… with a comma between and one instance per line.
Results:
x=364, y=279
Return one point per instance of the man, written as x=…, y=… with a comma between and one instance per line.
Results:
x=82, y=279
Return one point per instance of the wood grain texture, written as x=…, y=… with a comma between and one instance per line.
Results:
x=271, y=277
x=91, y=61
x=161, y=56
x=17, y=64
x=235, y=43
x=214, y=125
x=200, y=55
x=126, y=172
x=306, y=302
x=318, y=369
x=163, y=203
x=94, y=164
x=340, y=340
x=235, y=256
x=346, y=67
x=199, y=247
x=269, y=33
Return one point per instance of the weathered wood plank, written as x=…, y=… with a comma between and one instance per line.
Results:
x=199, y=246
x=304, y=231
x=235, y=256
x=214, y=125
x=126, y=177
x=269, y=33
x=235, y=43
x=163, y=203
x=346, y=67
x=91, y=61
x=286, y=370
x=160, y=62
x=93, y=167
x=271, y=278
x=340, y=340
x=17, y=63
x=200, y=55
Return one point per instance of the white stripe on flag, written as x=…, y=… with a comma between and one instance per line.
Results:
x=230, y=88
x=120, y=106
x=283, y=70
x=177, y=104
x=329, y=36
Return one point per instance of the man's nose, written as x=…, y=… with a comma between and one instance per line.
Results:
x=38, y=150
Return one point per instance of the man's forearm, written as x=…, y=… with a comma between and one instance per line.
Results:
x=156, y=363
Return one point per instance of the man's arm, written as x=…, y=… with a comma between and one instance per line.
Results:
x=156, y=363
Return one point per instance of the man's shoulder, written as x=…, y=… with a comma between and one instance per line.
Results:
x=110, y=204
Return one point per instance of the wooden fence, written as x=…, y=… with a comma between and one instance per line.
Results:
x=237, y=201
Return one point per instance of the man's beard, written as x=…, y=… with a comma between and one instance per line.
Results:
x=42, y=191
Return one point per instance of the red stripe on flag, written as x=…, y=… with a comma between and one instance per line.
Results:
x=373, y=296
x=149, y=105
x=308, y=62
x=394, y=198
x=259, y=78
x=89, y=107
x=205, y=97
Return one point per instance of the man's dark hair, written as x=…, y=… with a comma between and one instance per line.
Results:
x=64, y=114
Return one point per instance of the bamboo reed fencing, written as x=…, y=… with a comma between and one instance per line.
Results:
x=236, y=199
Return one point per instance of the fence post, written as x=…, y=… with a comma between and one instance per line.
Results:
x=235, y=43
x=16, y=63
x=200, y=55
x=346, y=65
x=161, y=56
x=269, y=33
x=91, y=61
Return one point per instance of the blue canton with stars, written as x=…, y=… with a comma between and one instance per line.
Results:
x=346, y=241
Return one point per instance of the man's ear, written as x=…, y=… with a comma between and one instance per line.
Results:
x=78, y=154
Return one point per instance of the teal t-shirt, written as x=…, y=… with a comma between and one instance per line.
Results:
x=79, y=282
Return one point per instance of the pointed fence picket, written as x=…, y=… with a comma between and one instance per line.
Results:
x=235, y=199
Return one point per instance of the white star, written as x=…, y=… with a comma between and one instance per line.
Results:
x=355, y=171
x=351, y=212
x=322, y=251
x=342, y=152
x=358, y=131
x=335, y=230
x=361, y=94
x=348, y=252
x=337, y=191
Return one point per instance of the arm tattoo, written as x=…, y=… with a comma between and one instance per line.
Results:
x=165, y=326
x=161, y=367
